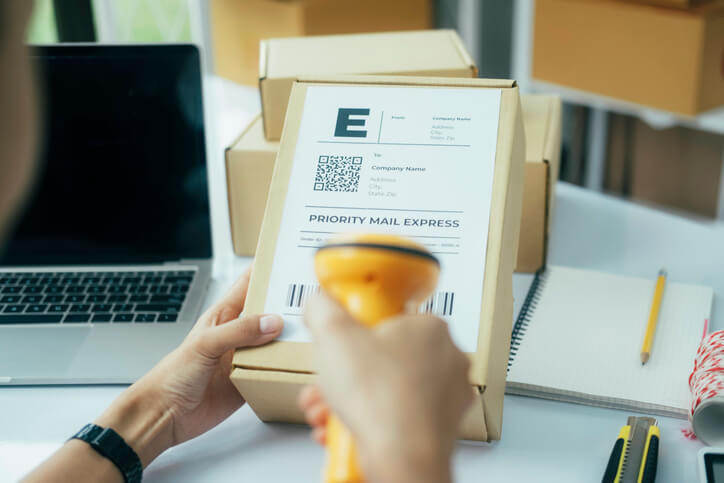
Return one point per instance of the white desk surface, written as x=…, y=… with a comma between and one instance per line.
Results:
x=542, y=440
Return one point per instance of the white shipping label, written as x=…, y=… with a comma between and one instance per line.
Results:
x=411, y=161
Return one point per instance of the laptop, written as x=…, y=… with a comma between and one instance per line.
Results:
x=106, y=268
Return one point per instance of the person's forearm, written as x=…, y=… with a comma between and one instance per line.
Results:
x=140, y=421
x=396, y=472
x=421, y=462
x=135, y=417
x=406, y=474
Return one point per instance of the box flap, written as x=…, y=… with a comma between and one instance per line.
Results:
x=536, y=114
x=263, y=55
x=281, y=356
x=552, y=149
x=462, y=51
x=379, y=53
x=272, y=395
x=408, y=81
x=298, y=358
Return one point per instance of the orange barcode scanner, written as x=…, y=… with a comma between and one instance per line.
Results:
x=374, y=277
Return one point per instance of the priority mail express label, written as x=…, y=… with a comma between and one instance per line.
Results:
x=411, y=161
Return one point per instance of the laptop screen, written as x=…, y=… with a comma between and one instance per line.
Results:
x=122, y=172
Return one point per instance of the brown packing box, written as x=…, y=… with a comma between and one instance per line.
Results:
x=249, y=167
x=672, y=3
x=668, y=59
x=542, y=121
x=432, y=53
x=270, y=377
x=678, y=167
x=239, y=25
x=250, y=162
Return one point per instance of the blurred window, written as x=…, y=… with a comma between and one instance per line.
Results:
x=143, y=20
x=42, y=28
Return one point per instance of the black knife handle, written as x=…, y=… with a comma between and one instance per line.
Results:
x=652, y=457
x=613, y=461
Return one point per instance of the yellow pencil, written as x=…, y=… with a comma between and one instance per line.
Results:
x=653, y=317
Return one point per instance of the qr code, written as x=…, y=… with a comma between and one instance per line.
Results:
x=338, y=173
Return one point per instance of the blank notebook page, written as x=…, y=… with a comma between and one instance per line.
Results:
x=583, y=341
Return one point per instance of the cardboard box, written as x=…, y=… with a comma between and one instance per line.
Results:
x=677, y=168
x=542, y=121
x=249, y=167
x=270, y=377
x=432, y=53
x=250, y=162
x=239, y=25
x=667, y=59
x=673, y=3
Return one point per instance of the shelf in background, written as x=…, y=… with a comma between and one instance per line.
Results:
x=712, y=121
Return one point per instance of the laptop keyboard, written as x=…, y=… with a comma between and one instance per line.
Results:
x=92, y=297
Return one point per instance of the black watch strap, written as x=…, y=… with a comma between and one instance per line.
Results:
x=111, y=445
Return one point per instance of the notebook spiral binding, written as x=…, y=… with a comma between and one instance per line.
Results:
x=526, y=314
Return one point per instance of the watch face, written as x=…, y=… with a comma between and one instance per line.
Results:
x=714, y=463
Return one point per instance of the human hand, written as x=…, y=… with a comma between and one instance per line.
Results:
x=401, y=389
x=189, y=391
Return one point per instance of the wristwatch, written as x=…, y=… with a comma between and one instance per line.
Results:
x=112, y=446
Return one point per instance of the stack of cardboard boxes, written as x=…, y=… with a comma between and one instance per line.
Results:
x=434, y=53
x=250, y=160
x=271, y=376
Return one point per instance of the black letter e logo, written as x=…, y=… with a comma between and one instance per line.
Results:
x=343, y=123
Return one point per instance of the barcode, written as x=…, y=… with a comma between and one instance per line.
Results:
x=440, y=303
x=298, y=294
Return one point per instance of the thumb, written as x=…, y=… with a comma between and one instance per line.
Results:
x=246, y=331
x=327, y=321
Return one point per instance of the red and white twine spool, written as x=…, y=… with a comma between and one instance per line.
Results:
x=707, y=389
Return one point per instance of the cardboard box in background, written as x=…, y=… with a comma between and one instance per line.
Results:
x=249, y=167
x=678, y=167
x=671, y=3
x=250, y=162
x=542, y=121
x=269, y=377
x=239, y=25
x=668, y=59
x=433, y=53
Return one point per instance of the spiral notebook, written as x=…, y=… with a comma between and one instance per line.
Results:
x=578, y=335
